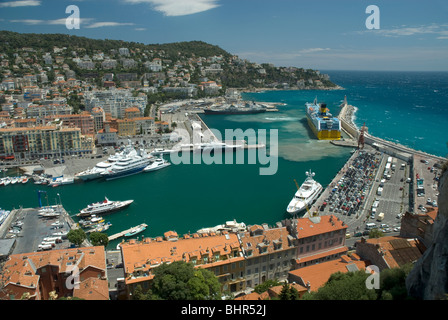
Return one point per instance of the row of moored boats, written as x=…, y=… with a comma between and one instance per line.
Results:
x=13, y=180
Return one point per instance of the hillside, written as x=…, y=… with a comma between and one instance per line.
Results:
x=183, y=63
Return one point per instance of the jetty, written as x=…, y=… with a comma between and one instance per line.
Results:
x=122, y=233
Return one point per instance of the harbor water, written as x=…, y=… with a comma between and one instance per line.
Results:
x=188, y=197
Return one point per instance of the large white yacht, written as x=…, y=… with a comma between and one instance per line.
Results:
x=95, y=172
x=131, y=164
x=306, y=194
x=104, y=207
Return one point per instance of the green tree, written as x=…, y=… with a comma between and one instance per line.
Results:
x=181, y=281
x=392, y=283
x=289, y=293
x=99, y=239
x=344, y=286
x=266, y=285
x=76, y=236
x=375, y=233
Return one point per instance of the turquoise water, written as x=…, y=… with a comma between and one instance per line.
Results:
x=188, y=197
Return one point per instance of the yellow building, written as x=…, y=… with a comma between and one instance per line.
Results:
x=35, y=142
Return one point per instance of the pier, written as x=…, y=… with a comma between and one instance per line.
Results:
x=122, y=233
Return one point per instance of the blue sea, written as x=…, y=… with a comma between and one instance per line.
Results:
x=409, y=108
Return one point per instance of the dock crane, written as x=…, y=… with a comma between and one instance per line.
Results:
x=39, y=197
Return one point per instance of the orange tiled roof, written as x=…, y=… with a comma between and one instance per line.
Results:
x=21, y=268
x=397, y=251
x=308, y=227
x=318, y=274
x=254, y=296
x=270, y=240
x=145, y=255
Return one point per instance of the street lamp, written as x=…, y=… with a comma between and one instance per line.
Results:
x=60, y=202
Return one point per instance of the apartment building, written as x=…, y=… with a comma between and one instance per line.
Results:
x=124, y=127
x=83, y=121
x=221, y=254
x=318, y=239
x=36, y=142
x=99, y=117
x=240, y=260
x=269, y=254
x=132, y=112
x=390, y=251
x=48, y=274
x=42, y=111
x=115, y=101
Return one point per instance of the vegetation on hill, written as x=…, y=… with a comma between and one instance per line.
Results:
x=190, y=61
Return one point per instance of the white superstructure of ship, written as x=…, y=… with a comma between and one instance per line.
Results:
x=306, y=194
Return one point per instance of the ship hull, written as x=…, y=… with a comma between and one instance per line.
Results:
x=324, y=134
x=233, y=112
x=122, y=174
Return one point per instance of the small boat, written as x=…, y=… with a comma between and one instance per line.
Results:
x=100, y=227
x=136, y=230
x=59, y=181
x=158, y=164
x=62, y=233
x=94, y=220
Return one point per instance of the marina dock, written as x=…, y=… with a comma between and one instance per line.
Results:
x=122, y=233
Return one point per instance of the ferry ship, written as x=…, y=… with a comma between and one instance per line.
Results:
x=104, y=207
x=134, y=163
x=322, y=122
x=306, y=194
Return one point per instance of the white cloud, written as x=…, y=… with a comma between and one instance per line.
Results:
x=405, y=31
x=84, y=22
x=109, y=24
x=179, y=7
x=313, y=50
x=12, y=4
x=140, y=29
x=51, y=22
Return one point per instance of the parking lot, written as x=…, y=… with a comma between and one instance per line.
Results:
x=425, y=180
x=391, y=195
x=30, y=230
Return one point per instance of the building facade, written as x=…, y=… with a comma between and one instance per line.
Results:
x=36, y=142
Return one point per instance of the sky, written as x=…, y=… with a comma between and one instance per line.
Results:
x=409, y=35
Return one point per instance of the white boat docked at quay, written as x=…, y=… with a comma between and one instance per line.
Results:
x=100, y=167
x=157, y=164
x=104, y=207
x=133, y=163
x=306, y=194
x=233, y=226
x=61, y=180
